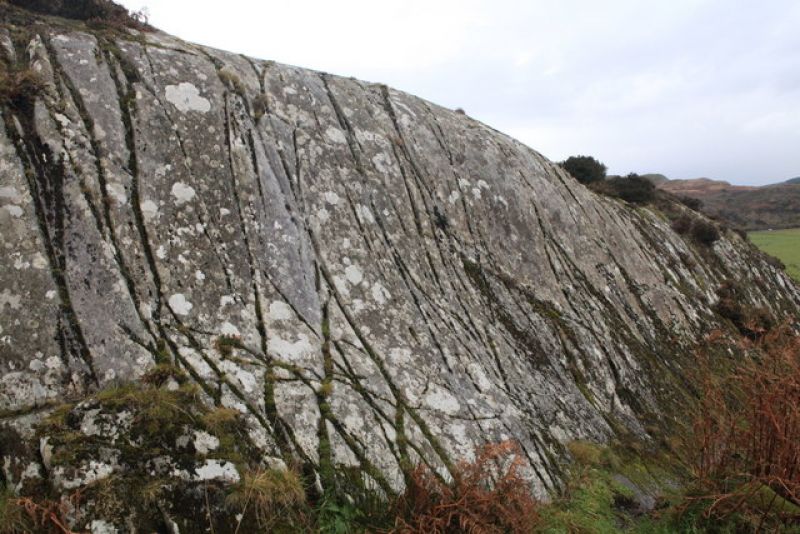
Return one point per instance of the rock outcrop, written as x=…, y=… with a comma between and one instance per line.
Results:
x=371, y=279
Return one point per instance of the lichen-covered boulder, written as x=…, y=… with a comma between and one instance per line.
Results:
x=145, y=454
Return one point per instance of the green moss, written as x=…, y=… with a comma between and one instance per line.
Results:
x=225, y=345
x=598, y=497
x=590, y=506
x=162, y=373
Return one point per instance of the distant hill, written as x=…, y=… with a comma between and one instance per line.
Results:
x=747, y=207
x=656, y=179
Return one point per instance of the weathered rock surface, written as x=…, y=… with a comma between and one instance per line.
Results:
x=408, y=283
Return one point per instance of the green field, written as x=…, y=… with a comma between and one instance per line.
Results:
x=784, y=245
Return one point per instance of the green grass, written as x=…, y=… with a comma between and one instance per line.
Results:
x=784, y=245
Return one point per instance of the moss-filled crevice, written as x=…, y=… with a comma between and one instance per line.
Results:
x=323, y=394
x=46, y=178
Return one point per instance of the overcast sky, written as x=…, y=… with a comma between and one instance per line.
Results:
x=687, y=88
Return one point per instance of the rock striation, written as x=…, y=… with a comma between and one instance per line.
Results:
x=371, y=279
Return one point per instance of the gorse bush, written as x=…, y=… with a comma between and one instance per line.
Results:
x=488, y=495
x=745, y=444
x=585, y=169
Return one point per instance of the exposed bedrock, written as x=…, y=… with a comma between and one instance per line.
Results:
x=407, y=283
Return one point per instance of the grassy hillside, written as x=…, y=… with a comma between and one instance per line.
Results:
x=747, y=207
x=784, y=245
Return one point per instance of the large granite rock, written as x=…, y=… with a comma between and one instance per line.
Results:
x=385, y=281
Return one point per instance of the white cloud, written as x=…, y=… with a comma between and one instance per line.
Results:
x=686, y=87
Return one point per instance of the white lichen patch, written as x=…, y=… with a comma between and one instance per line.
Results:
x=183, y=193
x=32, y=471
x=9, y=299
x=335, y=135
x=245, y=378
x=323, y=215
x=100, y=526
x=179, y=304
x=354, y=274
x=205, y=442
x=217, y=470
x=479, y=376
x=228, y=329
x=382, y=163
x=288, y=350
x=88, y=474
x=149, y=210
x=331, y=198
x=118, y=193
x=39, y=261
x=442, y=400
x=280, y=311
x=380, y=294
x=186, y=97
x=14, y=211
x=10, y=193
x=365, y=214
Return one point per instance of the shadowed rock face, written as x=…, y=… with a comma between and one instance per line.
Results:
x=408, y=283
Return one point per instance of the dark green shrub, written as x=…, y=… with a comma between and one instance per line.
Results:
x=682, y=224
x=692, y=203
x=704, y=232
x=632, y=188
x=585, y=169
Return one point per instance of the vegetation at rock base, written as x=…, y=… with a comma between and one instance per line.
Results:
x=272, y=500
x=746, y=435
x=480, y=499
x=784, y=245
x=585, y=169
x=732, y=465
